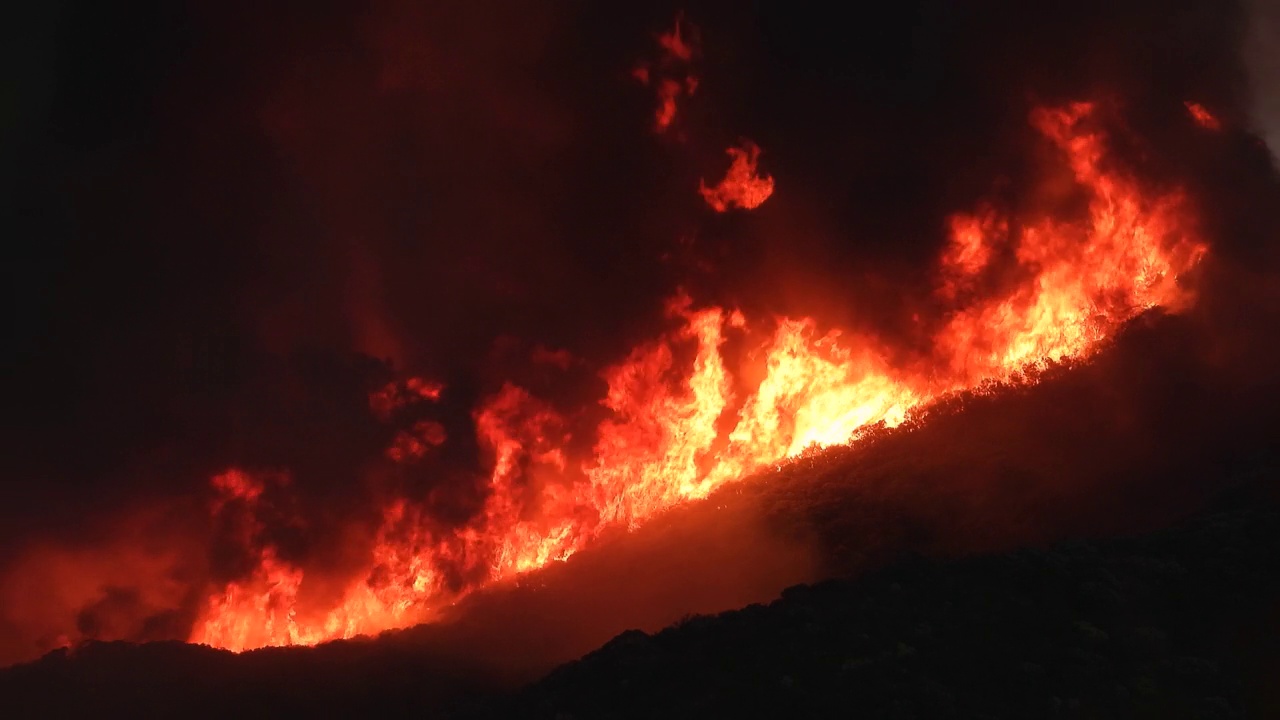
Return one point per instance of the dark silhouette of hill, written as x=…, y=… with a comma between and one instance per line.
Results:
x=1181, y=623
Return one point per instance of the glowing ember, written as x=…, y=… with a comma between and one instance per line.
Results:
x=741, y=187
x=1202, y=117
x=1019, y=293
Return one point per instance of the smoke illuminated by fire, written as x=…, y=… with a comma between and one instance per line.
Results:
x=413, y=443
x=742, y=187
x=683, y=421
x=396, y=395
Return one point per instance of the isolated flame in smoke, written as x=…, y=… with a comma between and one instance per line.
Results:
x=671, y=75
x=675, y=43
x=1202, y=117
x=742, y=187
x=1075, y=283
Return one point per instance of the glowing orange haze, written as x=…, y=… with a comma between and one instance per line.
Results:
x=678, y=431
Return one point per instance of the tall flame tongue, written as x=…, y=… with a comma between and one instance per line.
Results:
x=1074, y=284
x=1082, y=280
x=256, y=610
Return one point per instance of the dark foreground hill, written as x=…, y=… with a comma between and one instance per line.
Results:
x=1181, y=623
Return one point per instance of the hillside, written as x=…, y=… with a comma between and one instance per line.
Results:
x=1181, y=623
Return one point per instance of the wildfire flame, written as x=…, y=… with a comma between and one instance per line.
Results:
x=742, y=186
x=680, y=428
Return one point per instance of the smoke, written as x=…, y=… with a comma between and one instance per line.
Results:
x=249, y=218
x=1262, y=58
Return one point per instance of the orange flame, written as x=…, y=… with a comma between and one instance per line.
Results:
x=741, y=187
x=1081, y=280
x=257, y=610
x=682, y=425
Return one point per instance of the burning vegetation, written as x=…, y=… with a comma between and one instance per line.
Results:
x=682, y=422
